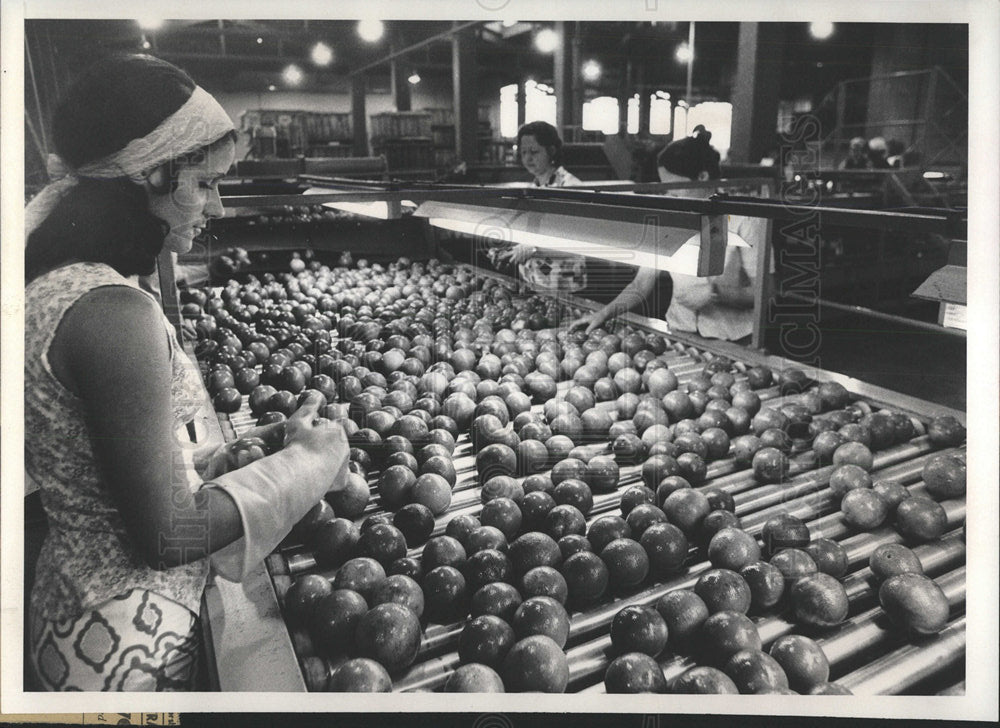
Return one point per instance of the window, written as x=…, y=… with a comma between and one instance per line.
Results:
x=508, y=111
x=539, y=102
x=601, y=114
x=659, y=113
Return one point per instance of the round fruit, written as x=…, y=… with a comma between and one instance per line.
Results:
x=704, y=681
x=496, y=459
x=575, y=493
x=336, y=541
x=350, y=502
x=361, y=574
x=825, y=445
x=784, y=531
x=634, y=672
x=563, y=520
x=487, y=566
x=944, y=476
x=754, y=672
x=485, y=639
x=394, y=486
x=499, y=599
x=627, y=562
x=602, y=474
x=443, y=551
x=474, y=678
x=433, y=491
x=666, y=546
x=723, y=590
x=485, y=537
x=415, y=522
x=360, y=675
x=715, y=522
x=732, y=548
x=819, y=600
x=914, y=602
x=830, y=556
x=390, y=635
x=400, y=589
x=586, y=577
x=334, y=619
x=542, y=616
x=445, y=594
x=536, y=664
x=638, y=629
x=864, y=509
x=685, y=508
x=892, y=493
x=605, y=530
x=891, y=559
x=501, y=486
x=921, y=518
x=533, y=549
x=723, y=634
x=946, y=431
x=460, y=527
x=804, y=662
x=545, y=581
x=770, y=465
x=766, y=583
x=794, y=564
x=383, y=542
x=854, y=453
x=683, y=611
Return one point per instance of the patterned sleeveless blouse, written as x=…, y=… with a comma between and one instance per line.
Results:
x=87, y=557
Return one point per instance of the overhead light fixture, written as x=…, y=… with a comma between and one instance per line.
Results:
x=145, y=42
x=150, y=23
x=380, y=209
x=508, y=23
x=679, y=242
x=546, y=40
x=684, y=53
x=259, y=40
x=292, y=75
x=821, y=30
x=414, y=78
x=371, y=30
x=321, y=54
x=591, y=70
x=272, y=87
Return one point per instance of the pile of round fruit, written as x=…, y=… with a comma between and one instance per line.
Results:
x=539, y=508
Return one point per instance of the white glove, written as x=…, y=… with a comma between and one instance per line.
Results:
x=274, y=493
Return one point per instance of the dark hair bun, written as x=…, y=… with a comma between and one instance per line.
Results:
x=702, y=134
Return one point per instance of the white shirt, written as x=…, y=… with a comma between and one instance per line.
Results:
x=717, y=320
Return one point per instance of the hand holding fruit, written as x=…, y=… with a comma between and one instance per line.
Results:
x=517, y=254
x=590, y=321
x=318, y=444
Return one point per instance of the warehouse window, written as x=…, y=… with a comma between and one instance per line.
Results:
x=632, y=115
x=539, y=102
x=601, y=114
x=508, y=111
x=659, y=113
x=717, y=117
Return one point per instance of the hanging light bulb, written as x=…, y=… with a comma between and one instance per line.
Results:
x=292, y=75
x=546, y=40
x=821, y=30
x=414, y=78
x=371, y=29
x=684, y=54
x=591, y=70
x=321, y=54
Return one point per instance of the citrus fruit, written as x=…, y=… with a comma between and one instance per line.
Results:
x=714, y=522
x=573, y=543
x=485, y=537
x=390, y=635
x=892, y=493
x=642, y=517
x=460, y=527
x=685, y=508
x=433, y=491
x=361, y=574
x=666, y=546
x=635, y=672
x=754, y=672
x=627, y=562
x=636, y=495
x=443, y=551
x=503, y=513
x=784, y=531
x=586, y=575
x=848, y=477
x=704, y=680
x=474, y=678
x=946, y=431
x=499, y=598
x=400, y=589
x=794, y=564
x=830, y=556
x=485, y=567
x=723, y=590
x=605, y=530
x=914, y=602
x=819, y=600
x=542, y=616
x=803, y=661
x=638, y=629
x=535, y=664
x=944, y=476
x=732, y=548
x=533, y=549
x=575, y=493
x=383, y=542
x=564, y=520
x=683, y=611
x=921, y=518
x=894, y=558
x=485, y=639
x=335, y=542
x=360, y=675
x=766, y=583
x=864, y=509
x=445, y=594
x=723, y=634
x=334, y=620
x=545, y=581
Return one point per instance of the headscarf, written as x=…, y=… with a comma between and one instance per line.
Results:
x=200, y=121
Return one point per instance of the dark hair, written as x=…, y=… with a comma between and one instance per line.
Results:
x=691, y=156
x=100, y=221
x=118, y=99
x=546, y=135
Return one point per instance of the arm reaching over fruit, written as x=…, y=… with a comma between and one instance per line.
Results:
x=272, y=494
x=631, y=297
x=214, y=460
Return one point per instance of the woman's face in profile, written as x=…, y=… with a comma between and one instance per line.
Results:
x=535, y=157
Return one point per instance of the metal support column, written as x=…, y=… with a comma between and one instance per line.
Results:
x=359, y=118
x=755, y=92
x=463, y=63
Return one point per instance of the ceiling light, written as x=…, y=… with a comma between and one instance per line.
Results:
x=272, y=87
x=145, y=42
x=414, y=78
x=292, y=75
x=546, y=40
x=371, y=30
x=821, y=30
x=684, y=54
x=148, y=23
x=508, y=23
x=591, y=70
x=259, y=40
x=321, y=54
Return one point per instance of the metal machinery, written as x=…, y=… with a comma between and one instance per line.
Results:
x=252, y=648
